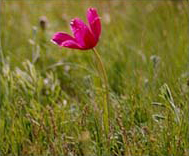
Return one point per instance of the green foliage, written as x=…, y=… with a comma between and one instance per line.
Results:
x=50, y=98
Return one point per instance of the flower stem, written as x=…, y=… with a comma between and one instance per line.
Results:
x=106, y=94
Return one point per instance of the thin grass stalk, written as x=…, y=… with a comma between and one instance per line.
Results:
x=106, y=94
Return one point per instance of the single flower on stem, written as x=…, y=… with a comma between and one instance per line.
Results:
x=86, y=37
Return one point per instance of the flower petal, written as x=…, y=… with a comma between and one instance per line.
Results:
x=71, y=44
x=94, y=22
x=61, y=37
x=82, y=34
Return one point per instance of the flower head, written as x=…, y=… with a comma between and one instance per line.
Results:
x=84, y=36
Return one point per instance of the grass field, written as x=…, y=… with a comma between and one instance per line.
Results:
x=51, y=99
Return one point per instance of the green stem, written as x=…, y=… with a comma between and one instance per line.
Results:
x=106, y=95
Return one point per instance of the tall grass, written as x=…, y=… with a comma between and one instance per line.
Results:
x=50, y=102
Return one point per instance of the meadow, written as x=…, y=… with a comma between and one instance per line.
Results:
x=51, y=98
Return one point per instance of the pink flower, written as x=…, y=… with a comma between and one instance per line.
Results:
x=85, y=37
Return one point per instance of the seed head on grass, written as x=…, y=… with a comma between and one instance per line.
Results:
x=43, y=22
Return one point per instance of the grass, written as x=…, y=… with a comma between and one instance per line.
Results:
x=51, y=99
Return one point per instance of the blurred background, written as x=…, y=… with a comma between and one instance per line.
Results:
x=131, y=33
